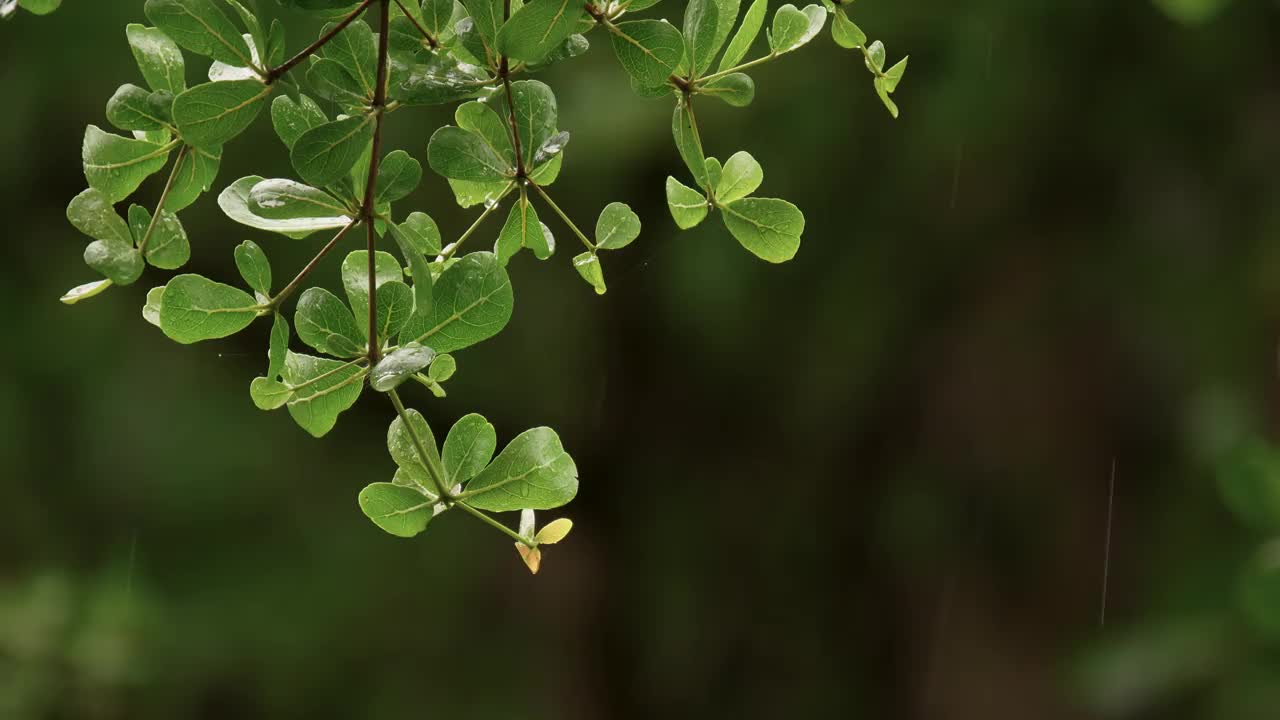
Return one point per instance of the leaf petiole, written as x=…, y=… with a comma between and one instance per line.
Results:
x=483, y=517
x=590, y=245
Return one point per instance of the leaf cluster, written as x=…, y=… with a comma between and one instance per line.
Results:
x=403, y=315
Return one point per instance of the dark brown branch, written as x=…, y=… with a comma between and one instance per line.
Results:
x=367, y=210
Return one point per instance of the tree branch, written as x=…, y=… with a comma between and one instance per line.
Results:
x=367, y=211
x=292, y=287
x=275, y=73
x=431, y=39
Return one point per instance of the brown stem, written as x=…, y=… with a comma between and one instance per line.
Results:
x=504, y=71
x=367, y=210
x=275, y=73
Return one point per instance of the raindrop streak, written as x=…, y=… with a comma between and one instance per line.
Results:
x=955, y=174
x=1106, y=557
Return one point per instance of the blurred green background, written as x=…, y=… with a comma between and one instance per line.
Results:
x=871, y=483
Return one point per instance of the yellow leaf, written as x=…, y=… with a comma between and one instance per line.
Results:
x=554, y=532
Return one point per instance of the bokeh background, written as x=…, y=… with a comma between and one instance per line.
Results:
x=873, y=483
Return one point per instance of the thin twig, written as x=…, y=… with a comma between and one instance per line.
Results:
x=276, y=72
x=590, y=245
x=1106, y=557
x=164, y=197
x=292, y=287
x=431, y=39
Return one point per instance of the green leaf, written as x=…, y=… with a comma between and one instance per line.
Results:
x=473, y=302
x=714, y=171
x=522, y=229
x=875, y=58
x=468, y=449
x=168, y=247
x=649, y=50
x=122, y=264
x=437, y=16
x=736, y=89
x=726, y=18
x=538, y=28
x=292, y=118
x=355, y=281
x=155, y=300
x=254, y=266
x=197, y=308
x=742, y=176
x=487, y=15
x=845, y=32
x=460, y=155
x=251, y=23
x=536, y=116
x=893, y=75
x=92, y=214
x=440, y=79
x=278, y=348
x=400, y=365
x=405, y=452
x=211, y=114
x=113, y=253
x=323, y=322
x=356, y=49
x=324, y=155
x=533, y=472
x=35, y=7
x=268, y=394
x=201, y=27
x=401, y=511
x=588, y=266
x=395, y=308
x=398, y=176
x=883, y=92
x=407, y=237
x=769, y=228
x=332, y=81
x=158, y=58
x=443, y=368
x=85, y=291
x=617, y=227
x=421, y=233
x=688, y=206
x=794, y=28
x=483, y=120
x=688, y=143
x=194, y=176
x=234, y=202
x=701, y=21
x=116, y=165
x=131, y=108
x=747, y=33
x=281, y=199
x=322, y=390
